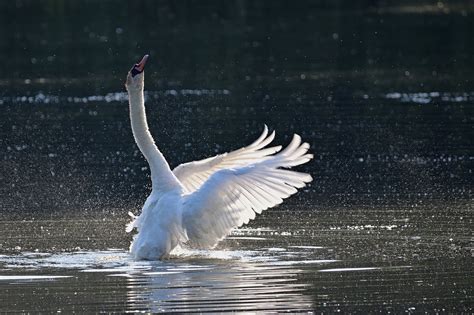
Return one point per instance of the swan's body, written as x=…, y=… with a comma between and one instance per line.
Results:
x=199, y=203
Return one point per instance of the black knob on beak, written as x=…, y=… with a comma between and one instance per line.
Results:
x=139, y=67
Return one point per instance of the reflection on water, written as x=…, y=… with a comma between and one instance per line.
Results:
x=309, y=266
x=227, y=286
x=194, y=280
x=122, y=97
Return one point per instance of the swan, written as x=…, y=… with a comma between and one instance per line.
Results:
x=198, y=203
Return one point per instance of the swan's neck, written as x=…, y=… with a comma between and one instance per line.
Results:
x=161, y=175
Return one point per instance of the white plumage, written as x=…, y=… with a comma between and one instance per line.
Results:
x=200, y=202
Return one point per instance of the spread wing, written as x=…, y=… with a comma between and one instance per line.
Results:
x=232, y=197
x=193, y=174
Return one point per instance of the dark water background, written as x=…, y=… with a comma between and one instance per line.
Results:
x=382, y=90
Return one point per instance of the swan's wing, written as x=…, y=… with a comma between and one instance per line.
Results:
x=193, y=174
x=232, y=197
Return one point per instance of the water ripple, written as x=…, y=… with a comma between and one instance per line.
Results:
x=120, y=97
x=194, y=280
x=429, y=97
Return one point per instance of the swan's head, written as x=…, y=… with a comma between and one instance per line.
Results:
x=135, y=75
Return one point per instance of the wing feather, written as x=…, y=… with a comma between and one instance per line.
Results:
x=193, y=174
x=231, y=197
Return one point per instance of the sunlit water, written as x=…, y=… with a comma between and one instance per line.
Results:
x=383, y=228
x=218, y=280
x=309, y=266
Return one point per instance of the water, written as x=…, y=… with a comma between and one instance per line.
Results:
x=302, y=265
x=382, y=92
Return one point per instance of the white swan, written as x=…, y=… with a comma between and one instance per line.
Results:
x=200, y=202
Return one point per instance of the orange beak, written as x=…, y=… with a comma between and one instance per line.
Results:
x=141, y=65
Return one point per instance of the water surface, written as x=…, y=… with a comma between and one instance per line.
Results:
x=382, y=91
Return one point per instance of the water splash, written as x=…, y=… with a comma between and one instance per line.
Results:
x=204, y=280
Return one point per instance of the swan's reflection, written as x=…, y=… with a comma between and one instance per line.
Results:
x=217, y=286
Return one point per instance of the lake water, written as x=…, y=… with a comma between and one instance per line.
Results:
x=382, y=91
